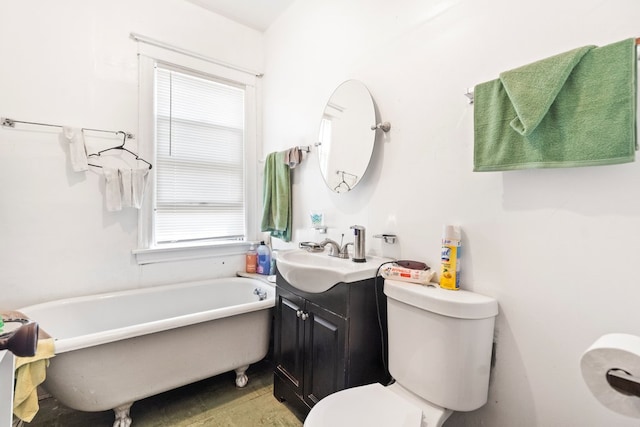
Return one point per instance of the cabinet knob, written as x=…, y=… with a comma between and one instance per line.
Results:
x=299, y=313
x=304, y=316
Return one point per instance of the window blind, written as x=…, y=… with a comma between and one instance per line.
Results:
x=199, y=158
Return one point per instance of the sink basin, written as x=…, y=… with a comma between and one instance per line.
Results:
x=318, y=272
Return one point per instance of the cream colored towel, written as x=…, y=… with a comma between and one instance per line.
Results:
x=31, y=372
x=125, y=178
x=138, y=184
x=113, y=194
x=293, y=157
x=77, y=150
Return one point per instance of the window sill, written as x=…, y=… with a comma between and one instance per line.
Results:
x=182, y=252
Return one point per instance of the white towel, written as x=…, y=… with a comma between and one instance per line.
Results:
x=293, y=157
x=125, y=177
x=77, y=150
x=112, y=189
x=138, y=184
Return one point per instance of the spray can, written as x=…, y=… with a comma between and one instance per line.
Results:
x=450, y=258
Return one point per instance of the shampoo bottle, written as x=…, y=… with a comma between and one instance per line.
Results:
x=450, y=258
x=251, y=259
x=264, y=259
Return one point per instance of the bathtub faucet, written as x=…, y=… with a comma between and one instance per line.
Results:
x=262, y=294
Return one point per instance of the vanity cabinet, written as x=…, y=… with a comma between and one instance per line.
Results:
x=328, y=341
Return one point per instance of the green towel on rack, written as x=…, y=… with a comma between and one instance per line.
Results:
x=276, y=208
x=573, y=109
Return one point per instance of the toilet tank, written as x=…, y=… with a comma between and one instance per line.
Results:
x=440, y=343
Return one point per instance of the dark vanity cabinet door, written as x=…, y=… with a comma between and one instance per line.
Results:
x=289, y=339
x=324, y=353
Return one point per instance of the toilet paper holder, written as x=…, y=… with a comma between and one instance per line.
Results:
x=623, y=382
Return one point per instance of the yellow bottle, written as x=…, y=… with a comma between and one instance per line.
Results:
x=450, y=258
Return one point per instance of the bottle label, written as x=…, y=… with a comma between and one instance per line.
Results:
x=422, y=277
x=449, y=265
x=446, y=254
x=263, y=264
x=251, y=263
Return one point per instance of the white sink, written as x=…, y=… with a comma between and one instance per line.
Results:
x=317, y=272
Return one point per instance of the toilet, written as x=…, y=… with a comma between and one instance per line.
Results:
x=440, y=344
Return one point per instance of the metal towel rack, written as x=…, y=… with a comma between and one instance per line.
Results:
x=11, y=123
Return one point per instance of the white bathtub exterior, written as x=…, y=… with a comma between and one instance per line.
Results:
x=6, y=387
x=114, y=349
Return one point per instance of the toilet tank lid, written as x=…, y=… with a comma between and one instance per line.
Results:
x=460, y=304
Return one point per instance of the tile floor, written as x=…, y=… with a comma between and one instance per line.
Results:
x=209, y=403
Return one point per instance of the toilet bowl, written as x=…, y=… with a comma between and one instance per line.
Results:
x=440, y=344
x=374, y=405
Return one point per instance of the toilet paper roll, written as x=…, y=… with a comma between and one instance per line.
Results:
x=613, y=352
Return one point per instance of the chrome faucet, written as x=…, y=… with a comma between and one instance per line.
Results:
x=334, y=248
x=358, y=244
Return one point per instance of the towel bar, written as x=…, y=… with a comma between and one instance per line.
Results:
x=469, y=95
x=11, y=123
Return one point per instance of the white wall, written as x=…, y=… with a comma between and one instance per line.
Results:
x=557, y=248
x=71, y=62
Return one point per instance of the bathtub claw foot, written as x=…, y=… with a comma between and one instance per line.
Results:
x=122, y=415
x=241, y=378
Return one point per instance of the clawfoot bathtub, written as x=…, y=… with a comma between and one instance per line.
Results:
x=113, y=349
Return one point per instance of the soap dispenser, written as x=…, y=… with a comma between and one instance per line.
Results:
x=251, y=259
x=358, y=244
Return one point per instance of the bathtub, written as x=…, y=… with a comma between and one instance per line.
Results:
x=113, y=349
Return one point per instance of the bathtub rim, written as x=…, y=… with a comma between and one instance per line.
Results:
x=62, y=345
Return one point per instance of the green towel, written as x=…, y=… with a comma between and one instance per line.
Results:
x=276, y=212
x=573, y=109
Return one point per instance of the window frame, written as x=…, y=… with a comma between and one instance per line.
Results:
x=148, y=251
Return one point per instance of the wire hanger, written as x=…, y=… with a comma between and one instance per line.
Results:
x=119, y=147
x=343, y=183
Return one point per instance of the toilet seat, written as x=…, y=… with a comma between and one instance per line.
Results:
x=371, y=405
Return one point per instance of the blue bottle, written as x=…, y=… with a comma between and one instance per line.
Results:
x=264, y=259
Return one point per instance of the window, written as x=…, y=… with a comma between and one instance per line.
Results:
x=198, y=123
x=199, y=159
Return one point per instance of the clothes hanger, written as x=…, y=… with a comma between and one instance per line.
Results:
x=120, y=147
x=343, y=182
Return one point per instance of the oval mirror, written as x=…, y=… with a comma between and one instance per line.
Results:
x=345, y=138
